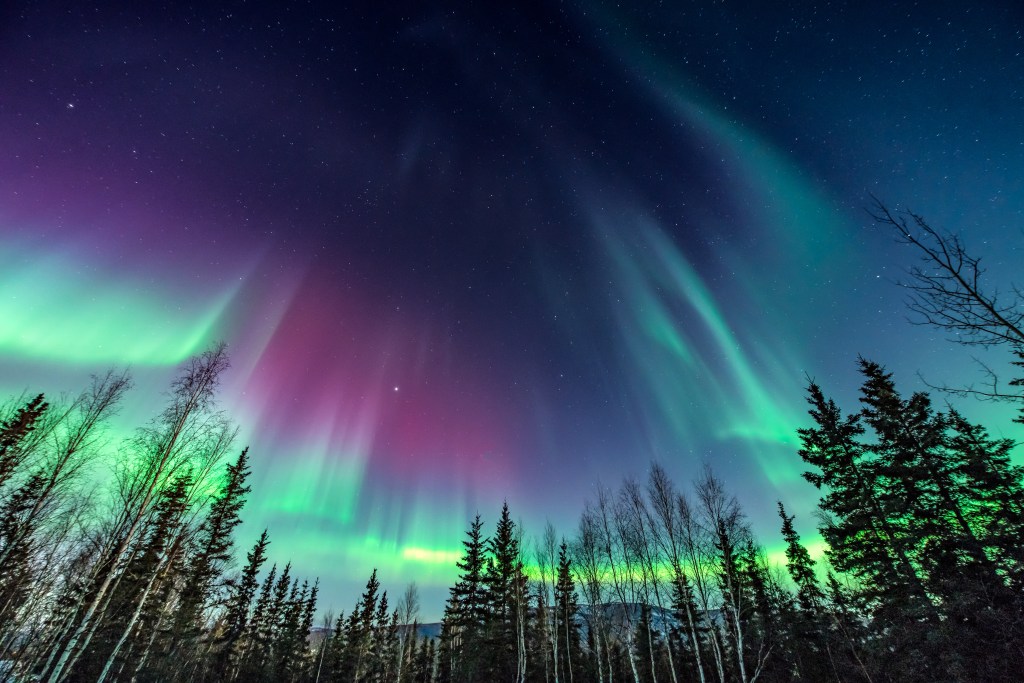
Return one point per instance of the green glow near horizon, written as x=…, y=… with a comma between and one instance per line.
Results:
x=428, y=556
x=349, y=557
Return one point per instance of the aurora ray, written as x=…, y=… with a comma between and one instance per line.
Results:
x=574, y=237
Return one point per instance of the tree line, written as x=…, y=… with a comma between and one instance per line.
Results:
x=921, y=510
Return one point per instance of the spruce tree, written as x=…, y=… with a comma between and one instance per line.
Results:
x=16, y=523
x=996, y=494
x=335, y=650
x=806, y=638
x=567, y=628
x=920, y=472
x=384, y=642
x=256, y=648
x=462, y=645
x=800, y=567
x=290, y=641
x=14, y=431
x=357, y=656
x=306, y=624
x=426, y=662
x=236, y=617
x=17, y=544
x=214, y=544
x=926, y=472
x=847, y=635
x=505, y=584
x=541, y=636
x=689, y=638
x=865, y=535
x=924, y=512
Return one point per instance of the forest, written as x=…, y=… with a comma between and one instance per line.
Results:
x=921, y=511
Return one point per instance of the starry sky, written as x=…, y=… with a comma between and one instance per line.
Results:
x=495, y=252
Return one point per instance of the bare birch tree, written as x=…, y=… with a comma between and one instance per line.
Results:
x=592, y=577
x=722, y=519
x=544, y=553
x=408, y=610
x=669, y=534
x=647, y=551
x=609, y=538
x=164, y=448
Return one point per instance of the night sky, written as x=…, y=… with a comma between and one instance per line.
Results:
x=505, y=251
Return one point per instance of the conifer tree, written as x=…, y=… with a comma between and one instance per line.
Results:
x=214, y=550
x=14, y=431
x=504, y=582
x=335, y=649
x=693, y=630
x=994, y=501
x=566, y=626
x=805, y=625
x=425, y=662
x=847, y=635
x=306, y=628
x=800, y=567
x=768, y=609
x=16, y=530
x=540, y=637
x=254, y=654
x=384, y=642
x=920, y=472
x=276, y=634
x=357, y=656
x=916, y=514
x=236, y=617
x=864, y=539
x=646, y=641
x=289, y=641
x=462, y=634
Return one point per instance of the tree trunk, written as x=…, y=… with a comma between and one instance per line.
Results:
x=195, y=389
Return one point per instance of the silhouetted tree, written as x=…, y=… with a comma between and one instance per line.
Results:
x=566, y=627
x=462, y=644
x=14, y=431
x=504, y=594
x=235, y=621
x=163, y=450
x=947, y=291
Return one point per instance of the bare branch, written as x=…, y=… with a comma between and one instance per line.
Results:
x=947, y=289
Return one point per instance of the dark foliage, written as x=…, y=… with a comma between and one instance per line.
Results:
x=922, y=513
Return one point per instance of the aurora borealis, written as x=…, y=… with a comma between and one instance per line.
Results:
x=462, y=255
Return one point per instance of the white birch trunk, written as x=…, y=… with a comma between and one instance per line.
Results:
x=203, y=375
